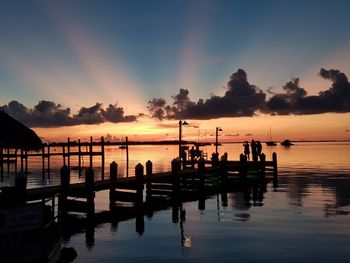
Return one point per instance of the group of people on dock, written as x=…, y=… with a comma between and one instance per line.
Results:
x=256, y=148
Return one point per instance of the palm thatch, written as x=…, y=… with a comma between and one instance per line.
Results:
x=16, y=135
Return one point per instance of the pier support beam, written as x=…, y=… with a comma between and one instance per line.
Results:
x=149, y=171
x=65, y=181
x=175, y=173
x=243, y=163
x=139, y=183
x=275, y=172
x=90, y=195
x=113, y=170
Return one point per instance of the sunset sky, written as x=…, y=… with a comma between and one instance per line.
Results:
x=134, y=68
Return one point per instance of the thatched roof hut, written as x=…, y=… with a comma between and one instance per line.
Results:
x=16, y=135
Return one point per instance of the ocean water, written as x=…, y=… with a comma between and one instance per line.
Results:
x=305, y=218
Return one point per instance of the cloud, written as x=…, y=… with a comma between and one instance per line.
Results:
x=244, y=99
x=295, y=101
x=240, y=99
x=49, y=114
x=232, y=135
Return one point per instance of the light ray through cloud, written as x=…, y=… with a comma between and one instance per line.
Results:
x=105, y=68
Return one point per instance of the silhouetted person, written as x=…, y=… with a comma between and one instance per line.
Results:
x=224, y=157
x=258, y=148
x=193, y=155
x=254, y=151
x=246, y=149
x=198, y=152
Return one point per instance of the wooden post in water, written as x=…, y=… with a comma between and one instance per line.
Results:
x=175, y=173
x=8, y=160
x=243, y=167
x=140, y=224
x=139, y=183
x=15, y=160
x=1, y=163
x=79, y=158
x=26, y=160
x=149, y=171
x=113, y=171
x=21, y=160
x=90, y=152
x=64, y=154
x=48, y=159
x=127, y=156
x=89, y=189
x=201, y=174
x=262, y=166
x=43, y=162
x=102, y=158
x=65, y=181
x=68, y=151
x=65, y=177
x=275, y=173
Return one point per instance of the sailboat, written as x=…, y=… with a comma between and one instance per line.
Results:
x=270, y=142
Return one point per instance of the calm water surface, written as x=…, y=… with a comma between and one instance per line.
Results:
x=306, y=218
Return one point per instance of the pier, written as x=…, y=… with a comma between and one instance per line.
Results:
x=12, y=157
x=64, y=209
x=206, y=177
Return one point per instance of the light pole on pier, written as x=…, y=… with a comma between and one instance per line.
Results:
x=216, y=138
x=180, y=135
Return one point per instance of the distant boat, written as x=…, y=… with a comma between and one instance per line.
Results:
x=270, y=142
x=287, y=143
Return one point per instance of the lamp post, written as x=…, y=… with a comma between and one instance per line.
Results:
x=180, y=135
x=216, y=138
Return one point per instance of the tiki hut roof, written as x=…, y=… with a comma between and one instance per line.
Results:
x=14, y=134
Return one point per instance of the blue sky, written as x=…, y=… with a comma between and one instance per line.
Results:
x=77, y=53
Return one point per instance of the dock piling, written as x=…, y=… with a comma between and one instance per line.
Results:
x=275, y=173
x=139, y=182
x=243, y=166
x=175, y=173
x=262, y=165
x=89, y=188
x=102, y=158
x=1, y=163
x=113, y=170
x=149, y=168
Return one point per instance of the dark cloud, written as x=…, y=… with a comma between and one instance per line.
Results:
x=243, y=99
x=240, y=99
x=248, y=134
x=295, y=100
x=50, y=114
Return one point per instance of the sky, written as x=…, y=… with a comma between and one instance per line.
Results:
x=135, y=68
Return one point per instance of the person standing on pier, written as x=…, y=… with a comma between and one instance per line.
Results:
x=258, y=148
x=246, y=149
x=254, y=151
x=193, y=155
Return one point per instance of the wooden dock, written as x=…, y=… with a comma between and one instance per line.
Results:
x=135, y=197
x=10, y=157
x=157, y=184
